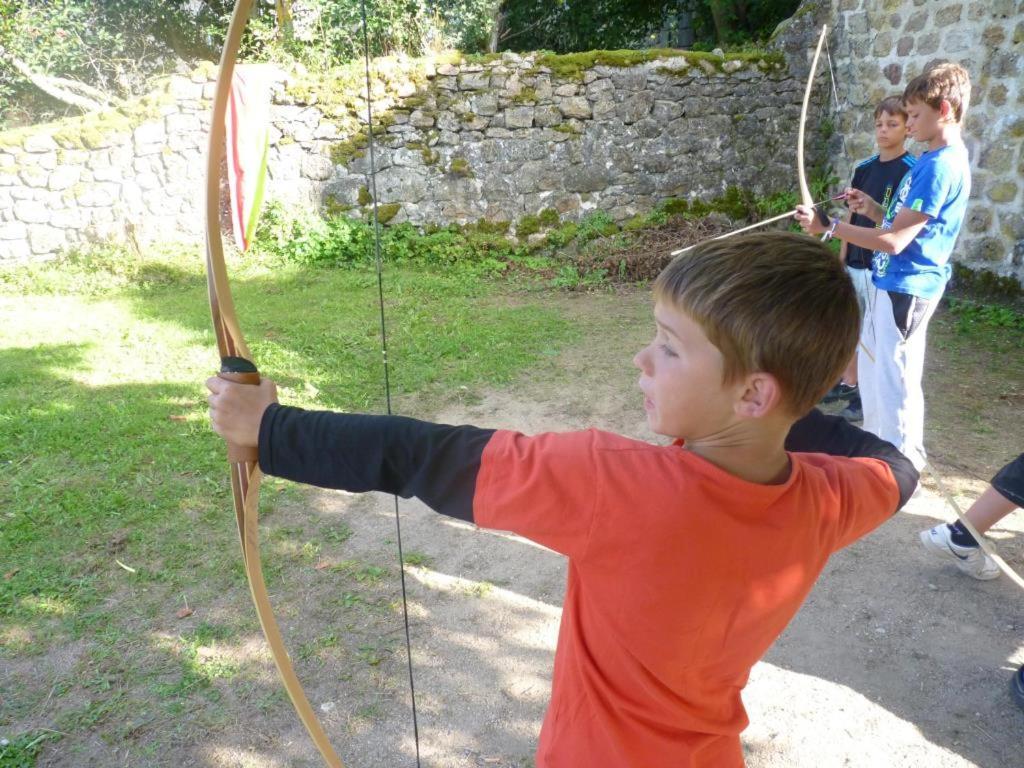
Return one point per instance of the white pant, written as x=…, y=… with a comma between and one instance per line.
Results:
x=890, y=386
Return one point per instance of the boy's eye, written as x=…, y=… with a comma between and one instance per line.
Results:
x=668, y=350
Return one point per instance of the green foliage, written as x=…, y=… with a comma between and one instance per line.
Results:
x=303, y=237
x=297, y=236
x=22, y=751
x=594, y=225
x=564, y=27
x=975, y=318
x=98, y=270
x=460, y=167
x=99, y=44
x=734, y=22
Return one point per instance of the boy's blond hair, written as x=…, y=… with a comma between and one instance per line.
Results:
x=775, y=302
x=892, y=105
x=946, y=80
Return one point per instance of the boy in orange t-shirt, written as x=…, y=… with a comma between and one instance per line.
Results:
x=686, y=560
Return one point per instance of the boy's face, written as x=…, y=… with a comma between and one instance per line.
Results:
x=890, y=130
x=923, y=122
x=681, y=375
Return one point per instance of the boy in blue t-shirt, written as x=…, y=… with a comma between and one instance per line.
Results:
x=912, y=249
x=878, y=177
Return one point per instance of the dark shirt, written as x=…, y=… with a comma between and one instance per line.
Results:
x=880, y=179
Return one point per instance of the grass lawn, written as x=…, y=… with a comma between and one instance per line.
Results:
x=115, y=508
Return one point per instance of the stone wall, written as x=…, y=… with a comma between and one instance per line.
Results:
x=456, y=140
x=498, y=138
x=881, y=44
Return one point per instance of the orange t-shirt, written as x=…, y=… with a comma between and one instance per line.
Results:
x=680, y=578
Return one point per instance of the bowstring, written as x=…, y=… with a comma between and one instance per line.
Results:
x=372, y=183
x=835, y=97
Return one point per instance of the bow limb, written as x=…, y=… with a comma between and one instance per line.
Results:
x=805, y=190
x=236, y=366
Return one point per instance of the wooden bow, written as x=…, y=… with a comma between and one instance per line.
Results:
x=236, y=365
x=805, y=190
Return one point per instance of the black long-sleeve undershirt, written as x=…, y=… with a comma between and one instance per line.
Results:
x=439, y=463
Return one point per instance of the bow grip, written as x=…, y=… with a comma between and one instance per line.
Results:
x=240, y=371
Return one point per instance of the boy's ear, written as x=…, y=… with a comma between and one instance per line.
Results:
x=761, y=394
x=945, y=110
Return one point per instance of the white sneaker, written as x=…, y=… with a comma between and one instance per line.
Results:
x=971, y=560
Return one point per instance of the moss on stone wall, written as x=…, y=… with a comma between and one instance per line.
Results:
x=571, y=66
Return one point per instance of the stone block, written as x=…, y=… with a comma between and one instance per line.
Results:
x=927, y=43
x=958, y=40
x=585, y=178
x=44, y=239
x=317, y=167
x=31, y=212
x=949, y=15
x=979, y=219
x=13, y=230
x=97, y=195
x=857, y=23
x=519, y=117
x=904, y=46
x=68, y=218
x=993, y=36
x=149, y=133
x=917, y=21
x=575, y=106
x=990, y=249
x=604, y=109
x=636, y=107
x=1011, y=224
x=997, y=95
x=32, y=176
x=1003, y=191
x=63, y=177
x=485, y=104
x=547, y=115
x=15, y=250
x=883, y=45
x=39, y=142
x=474, y=81
x=631, y=79
x=421, y=119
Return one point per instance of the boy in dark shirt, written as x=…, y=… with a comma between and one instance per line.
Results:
x=878, y=177
x=686, y=560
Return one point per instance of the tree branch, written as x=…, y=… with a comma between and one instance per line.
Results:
x=72, y=92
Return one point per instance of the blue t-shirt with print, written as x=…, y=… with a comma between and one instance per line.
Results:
x=937, y=186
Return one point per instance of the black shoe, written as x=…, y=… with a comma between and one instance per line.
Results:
x=1017, y=687
x=841, y=391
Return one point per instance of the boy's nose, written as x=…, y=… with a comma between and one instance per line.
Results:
x=640, y=359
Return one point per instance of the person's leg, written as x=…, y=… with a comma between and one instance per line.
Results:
x=901, y=323
x=861, y=279
x=989, y=509
x=867, y=365
x=954, y=541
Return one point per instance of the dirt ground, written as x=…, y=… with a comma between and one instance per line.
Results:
x=895, y=660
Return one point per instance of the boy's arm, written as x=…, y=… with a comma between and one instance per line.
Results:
x=437, y=463
x=818, y=433
x=905, y=227
x=842, y=247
